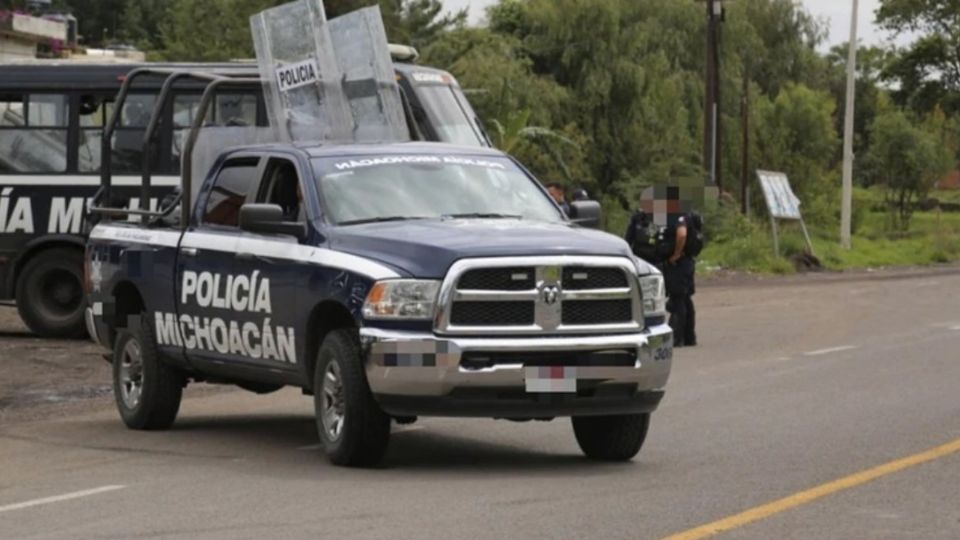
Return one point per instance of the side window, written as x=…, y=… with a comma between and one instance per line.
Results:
x=281, y=186
x=229, y=192
x=33, y=133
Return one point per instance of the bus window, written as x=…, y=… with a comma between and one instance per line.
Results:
x=450, y=119
x=137, y=110
x=94, y=112
x=127, y=144
x=48, y=110
x=228, y=110
x=236, y=110
x=33, y=133
x=12, y=111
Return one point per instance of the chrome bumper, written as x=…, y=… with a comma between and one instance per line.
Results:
x=413, y=364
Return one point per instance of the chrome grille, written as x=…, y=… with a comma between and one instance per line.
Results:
x=498, y=279
x=580, y=278
x=597, y=311
x=540, y=295
x=492, y=313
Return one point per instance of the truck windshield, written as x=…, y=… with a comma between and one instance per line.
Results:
x=450, y=114
x=361, y=189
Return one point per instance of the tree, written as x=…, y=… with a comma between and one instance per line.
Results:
x=927, y=72
x=795, y=134
x=210, y=31
x=906, y=161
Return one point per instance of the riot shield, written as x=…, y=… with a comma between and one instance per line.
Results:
x=369, y=81
x=301, y=79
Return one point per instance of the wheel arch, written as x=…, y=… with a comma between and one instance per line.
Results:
x=127, y=301
x=325, y=317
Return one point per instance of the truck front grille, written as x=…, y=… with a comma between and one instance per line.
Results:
x=577, y=312
x=550, y=295
x=492, y=313
x=582, y=278
x=498, y=279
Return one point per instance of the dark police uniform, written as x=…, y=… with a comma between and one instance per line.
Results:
x=679, y=280
x=642, y=237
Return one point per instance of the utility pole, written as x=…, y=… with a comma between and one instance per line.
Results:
x=711, y=107
x=745, y=150
x=847, y=202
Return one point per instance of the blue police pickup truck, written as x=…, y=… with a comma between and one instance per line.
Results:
x=388, y=281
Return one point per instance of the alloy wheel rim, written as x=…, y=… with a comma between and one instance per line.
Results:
x=131, y=374
x=332, y=402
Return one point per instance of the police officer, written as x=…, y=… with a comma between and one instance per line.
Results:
x=557, y=191
x=678, y=274
x=641, y=236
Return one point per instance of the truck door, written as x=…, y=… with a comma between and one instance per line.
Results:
x=213, y=295
x=284, y=280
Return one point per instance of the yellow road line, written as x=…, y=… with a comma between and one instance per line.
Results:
x=797, y=499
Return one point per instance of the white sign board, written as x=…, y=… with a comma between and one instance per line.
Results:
x=781, y=201
x=290, y=76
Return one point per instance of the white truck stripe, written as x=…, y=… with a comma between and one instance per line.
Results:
x=238, y=243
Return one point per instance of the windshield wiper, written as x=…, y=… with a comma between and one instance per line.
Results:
x=482, y=215
x=381, y=220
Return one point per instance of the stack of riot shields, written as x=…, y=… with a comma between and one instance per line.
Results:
x=323, y=81
x=327, y=80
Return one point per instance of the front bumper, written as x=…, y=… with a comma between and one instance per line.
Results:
x=418, y=373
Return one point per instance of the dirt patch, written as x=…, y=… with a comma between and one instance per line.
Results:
x=46, y=374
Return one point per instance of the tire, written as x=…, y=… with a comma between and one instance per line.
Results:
x=611, y=438
x=147, y=396
x=354, y=430
x=50, y=295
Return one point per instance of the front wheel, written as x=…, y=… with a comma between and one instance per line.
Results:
x=611, y=438
x=147, y=392
x=354, y=430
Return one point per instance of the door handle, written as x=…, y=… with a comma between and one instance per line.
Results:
x=246, y=256
x=188, y=251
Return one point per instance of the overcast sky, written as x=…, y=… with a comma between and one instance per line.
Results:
x=835, y=12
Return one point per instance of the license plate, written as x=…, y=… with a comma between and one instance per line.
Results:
x=551, y=379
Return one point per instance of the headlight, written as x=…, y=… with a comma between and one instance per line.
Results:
x=654, y=295
x=401, y=299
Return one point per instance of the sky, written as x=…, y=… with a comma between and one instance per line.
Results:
x=835, y=12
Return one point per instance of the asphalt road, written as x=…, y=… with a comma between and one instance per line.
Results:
x=794, y=387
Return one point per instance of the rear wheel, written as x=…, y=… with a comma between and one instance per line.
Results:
x=50, y=293
x=611, y=438
x=147, y=392
x=354, y=430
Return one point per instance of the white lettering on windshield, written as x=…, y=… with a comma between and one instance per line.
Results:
x=395, y=160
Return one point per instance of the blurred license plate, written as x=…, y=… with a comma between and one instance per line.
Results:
x=558, y=379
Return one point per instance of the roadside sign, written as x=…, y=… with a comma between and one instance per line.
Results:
x=782, y=204
x=781, y=201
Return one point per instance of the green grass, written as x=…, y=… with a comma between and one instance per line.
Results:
x=951, y=196
x=736, y=243
x=932, y=239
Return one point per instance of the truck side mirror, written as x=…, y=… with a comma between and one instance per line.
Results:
x=585, y=213
x=269, y=219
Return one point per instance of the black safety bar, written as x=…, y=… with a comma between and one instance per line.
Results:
x=102, y=199
x=186, y=164
x=149, y=137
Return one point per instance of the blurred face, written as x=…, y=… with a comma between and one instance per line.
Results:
x=556, y=193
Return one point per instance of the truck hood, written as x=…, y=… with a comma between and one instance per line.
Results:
x=427, y=248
